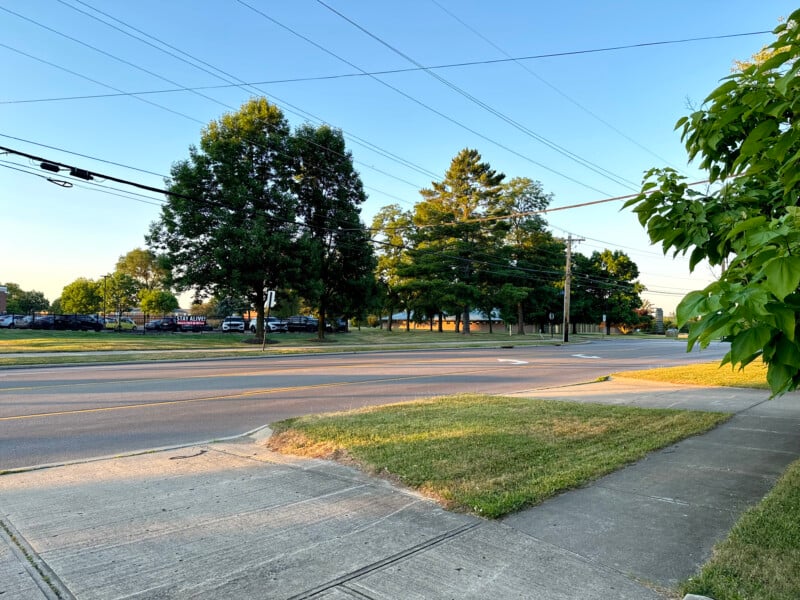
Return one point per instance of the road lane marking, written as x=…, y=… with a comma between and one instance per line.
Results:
x=512, y=361
x=267, y=391
x=251, y=373
x=584, y=356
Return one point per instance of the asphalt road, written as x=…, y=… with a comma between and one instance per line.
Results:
x=56, y=414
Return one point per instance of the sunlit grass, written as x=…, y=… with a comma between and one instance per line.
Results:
x=711, y=374
x=33, y=342
x=490, y=455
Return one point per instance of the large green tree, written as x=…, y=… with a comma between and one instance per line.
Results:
x=144, y=267
x=83, y=296
x=19, y=301
x=391, y=227
x=228, y=228
x=606, y=284
x=335, y=247
x=157, y=302
x=454, y=241
x=747, y=137
x=121, y=292
x=526, y=287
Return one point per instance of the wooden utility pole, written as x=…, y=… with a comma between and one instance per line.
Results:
x=568, y=283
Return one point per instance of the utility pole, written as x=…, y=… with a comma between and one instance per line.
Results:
x=567, y=283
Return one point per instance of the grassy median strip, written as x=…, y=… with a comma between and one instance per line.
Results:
x=490, y=455
x=760, y=559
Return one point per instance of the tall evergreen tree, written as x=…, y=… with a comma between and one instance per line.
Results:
x=452, y=241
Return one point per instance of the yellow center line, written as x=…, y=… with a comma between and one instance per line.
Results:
x=238, y=395
x=119, y=382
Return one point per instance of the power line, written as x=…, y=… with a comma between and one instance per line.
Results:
x=233, y=81
x=490, y=109
x=71, y=72
x=382, y=72
x=418, y=101
x=90, y=175
x=556, y=89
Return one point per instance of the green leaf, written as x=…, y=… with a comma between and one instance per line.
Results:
x=784, y=318
x=779, y=377
x=750, y=342
x=782, y=85
x=723, y=90
x=691, y=306
x=753, y=143
x=787, y=353
x=746, y=225
x=783, y=275
x=775, y=61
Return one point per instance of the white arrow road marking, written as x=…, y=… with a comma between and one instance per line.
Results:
x=584, y=356
x=512, y=361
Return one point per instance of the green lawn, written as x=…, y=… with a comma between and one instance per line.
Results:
x=490, y=455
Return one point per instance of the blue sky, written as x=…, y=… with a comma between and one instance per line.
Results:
x=78, y=89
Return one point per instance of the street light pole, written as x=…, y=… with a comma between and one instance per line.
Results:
x=105, y=294
x=567, y=283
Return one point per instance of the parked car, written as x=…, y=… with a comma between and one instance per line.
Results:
x=302, y=323
x=43, y=322
x=123, y=323
x=78, y=322
x=233, y=324
x=72, y=322
x=336, y=325
x=271, y=325
x=165, y=324
x=15, y=321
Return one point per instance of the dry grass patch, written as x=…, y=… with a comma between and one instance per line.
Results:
x=753, y=375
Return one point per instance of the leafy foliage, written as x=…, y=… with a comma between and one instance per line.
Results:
x=20, y=302
x=157, y=302
x=337, y=253
x=144, y=267
x=82, y=296
x=747, y=137
x=605, y=283
x=452, y=241
x=228, y=228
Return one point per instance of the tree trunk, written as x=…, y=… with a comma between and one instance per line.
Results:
x=466, y=330
x=520, y=319
x=408, y=319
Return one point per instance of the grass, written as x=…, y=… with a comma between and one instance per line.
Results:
x=709, y=374
x=760, y=559
x=490, y=455
x=30, y=344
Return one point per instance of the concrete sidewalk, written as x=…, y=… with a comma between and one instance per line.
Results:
x=233, y=520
